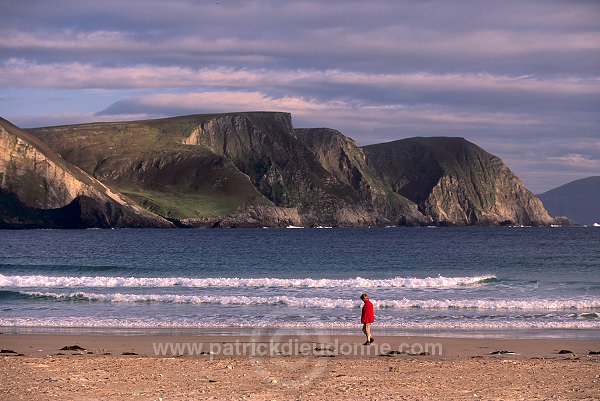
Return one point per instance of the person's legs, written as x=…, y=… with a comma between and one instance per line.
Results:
x=367, y=331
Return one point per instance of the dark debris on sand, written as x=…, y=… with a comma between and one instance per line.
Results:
x=565, y=351
x=10, y=352
x=502, y=352
x=72, y=348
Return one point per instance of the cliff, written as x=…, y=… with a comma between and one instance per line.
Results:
x=254, y=169
x=455, y=182
x=234, y=170
x=40, y=189
x=346, y=162
x=265, y=147
x=147, y=161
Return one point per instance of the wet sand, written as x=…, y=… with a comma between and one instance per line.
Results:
x=294, y=367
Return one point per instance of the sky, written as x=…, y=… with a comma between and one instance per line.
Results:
x=519, y=78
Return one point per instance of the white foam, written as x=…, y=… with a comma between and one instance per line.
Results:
x=78, y=322
x=358, y=282
x=527, y=304
x=203, y=299
x=333, y=303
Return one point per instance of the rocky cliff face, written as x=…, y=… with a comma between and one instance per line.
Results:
x=146, y=161
x=38, y=188
x=253, y=169
x=455, y=182
x=265, y=147
x=340, y=156
x=261, y=146
x=235, y=169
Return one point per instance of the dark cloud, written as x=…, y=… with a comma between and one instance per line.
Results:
x=520, y=78
x=509, y=37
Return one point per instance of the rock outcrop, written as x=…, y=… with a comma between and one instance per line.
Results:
x=250, y=217
x=456, y=182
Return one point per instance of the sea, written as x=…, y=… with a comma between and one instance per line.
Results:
x=509, y=282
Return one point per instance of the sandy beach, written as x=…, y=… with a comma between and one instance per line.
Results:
x=311, y=367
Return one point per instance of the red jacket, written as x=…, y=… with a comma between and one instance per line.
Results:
x=368, y=315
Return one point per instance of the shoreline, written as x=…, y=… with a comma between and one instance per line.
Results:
x=275, y=344
x=454, y=333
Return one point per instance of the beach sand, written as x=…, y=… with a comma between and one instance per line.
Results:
x=284, y=367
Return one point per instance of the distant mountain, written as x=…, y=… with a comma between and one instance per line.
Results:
x=578, y=200
x=248, y=170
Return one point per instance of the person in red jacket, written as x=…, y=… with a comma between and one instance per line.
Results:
x=367, y=317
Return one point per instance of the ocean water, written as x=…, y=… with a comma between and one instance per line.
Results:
x=498, y=282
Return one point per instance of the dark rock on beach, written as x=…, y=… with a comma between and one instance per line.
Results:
x=7, y=351
x=565, y=351
x=502, y=352
x=72, y=348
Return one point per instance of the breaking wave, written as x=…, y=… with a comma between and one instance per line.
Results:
x=329, y=303
x=192, y=324
x=358, y=282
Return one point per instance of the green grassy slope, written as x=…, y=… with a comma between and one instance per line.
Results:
x=147, y=161
x=38, y=188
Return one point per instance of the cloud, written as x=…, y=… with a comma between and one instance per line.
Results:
x=518, y=78
x=493, y=92
x=19, y=73
x=47, y=120
x=208, y=102
x=351, y=117
x=578, y=161
x=380, y=36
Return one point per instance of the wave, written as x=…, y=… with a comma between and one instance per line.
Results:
x=5, y=295
x=329, y=303
x=358, y=282
x=591, y=315
x=116, y=323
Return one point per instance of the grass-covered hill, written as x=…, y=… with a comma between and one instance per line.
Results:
x=39, y=189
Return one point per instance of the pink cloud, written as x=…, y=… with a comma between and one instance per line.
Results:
x=577, y=160
x=17, y=73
